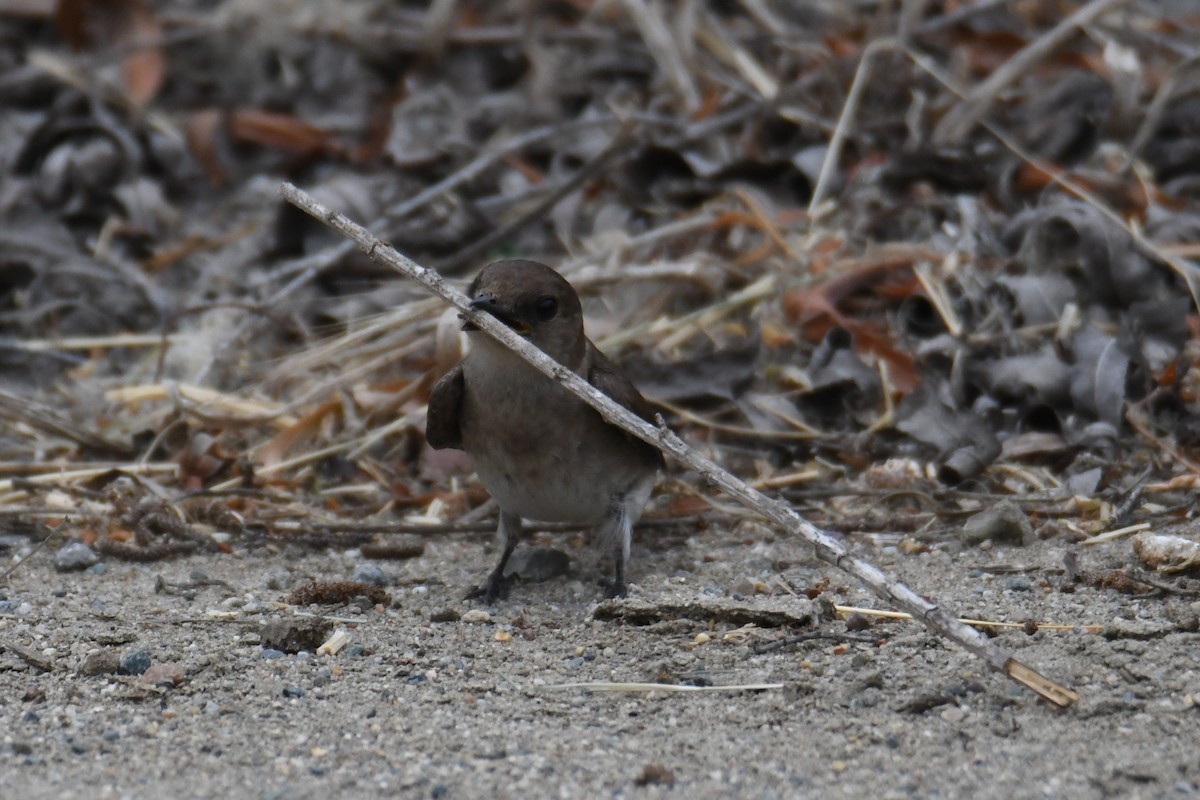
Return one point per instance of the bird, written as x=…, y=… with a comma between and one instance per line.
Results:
x=540, y=451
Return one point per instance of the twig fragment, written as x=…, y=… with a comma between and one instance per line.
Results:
x=670, y=688
x=30, y=657
x=955, y=126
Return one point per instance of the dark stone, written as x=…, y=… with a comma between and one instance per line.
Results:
x=293, y=634
x=134, y=663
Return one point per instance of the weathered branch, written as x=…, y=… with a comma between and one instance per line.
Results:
x=828, y=549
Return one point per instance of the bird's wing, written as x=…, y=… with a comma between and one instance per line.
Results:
x=605, y=376
x=442, y=422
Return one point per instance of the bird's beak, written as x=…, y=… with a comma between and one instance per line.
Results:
x=488, y=303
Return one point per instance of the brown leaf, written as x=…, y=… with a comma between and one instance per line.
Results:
x=902, y=367
x=308, y=425
x=279, y=131
x=850, y=277
x=129, y=26
x=201, y=130
x=144, y=70
x=686, y=505
x=202, y=459
x=816, y=311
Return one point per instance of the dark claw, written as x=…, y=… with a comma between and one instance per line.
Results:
x=496, y=588
x=614, y=588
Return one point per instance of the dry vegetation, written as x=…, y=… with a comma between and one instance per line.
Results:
x=948, y=268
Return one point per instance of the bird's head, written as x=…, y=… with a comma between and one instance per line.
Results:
x=536, y=302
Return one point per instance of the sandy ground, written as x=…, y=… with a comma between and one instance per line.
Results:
x=462, y=708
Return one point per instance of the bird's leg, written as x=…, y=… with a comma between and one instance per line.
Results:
x=496, y=586
x=615, y=586
x=616, y=532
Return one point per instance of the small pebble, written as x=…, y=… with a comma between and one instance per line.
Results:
x=271, y=654
x=293, y=691
x=373, y=574
x=134, y=663
x=953, y=715
x=743, y=587
x=167, y=675
x=355, y=651
x=280, y=581
x=445, y=615
x=1003, y=522
x=858, y=622
x=7, y=606
x=74, y=556
x=476, y=616
x=293, y=634
x=1018, y=583
x=102, y=662
x=655, y=774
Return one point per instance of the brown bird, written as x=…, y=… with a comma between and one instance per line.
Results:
x=542, y=452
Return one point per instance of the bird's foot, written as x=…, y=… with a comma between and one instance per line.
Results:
x=614, y=587
x=496, y=588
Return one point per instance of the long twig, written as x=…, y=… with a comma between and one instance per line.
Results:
x=670, y=688
x=834, y=152
x=42, y=543
x=37, y=415
x=827, y=548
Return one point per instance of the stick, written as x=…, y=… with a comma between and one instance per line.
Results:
x=606, y=686
x=827, y=548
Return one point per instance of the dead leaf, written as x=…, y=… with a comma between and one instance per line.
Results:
x=279, y=131
x=1168, y=554
x=307, y=426
x=201, y=131
x=127, y=26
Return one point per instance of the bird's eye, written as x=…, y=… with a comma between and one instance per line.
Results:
x=547, y=309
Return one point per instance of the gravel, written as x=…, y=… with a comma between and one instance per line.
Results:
x=490, y=703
